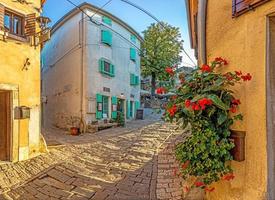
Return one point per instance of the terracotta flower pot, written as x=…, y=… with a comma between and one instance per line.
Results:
x=74, y=131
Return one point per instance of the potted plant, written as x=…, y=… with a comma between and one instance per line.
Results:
x=205, y=103
x=74, y=130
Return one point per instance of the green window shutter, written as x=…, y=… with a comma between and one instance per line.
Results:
x=99, y=100
x=128, y=109
x=133, y=54
x=114, y=107
x=136, y=80
x=112, y=70
x=133, y=38
x=101, y=65
x=107, y=20
x=137, y=105
x=132, y=79
x=106, y=37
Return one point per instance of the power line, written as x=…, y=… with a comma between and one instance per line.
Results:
x=156, y=19
x=101, y=8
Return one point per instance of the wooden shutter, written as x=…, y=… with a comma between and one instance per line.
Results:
x=114, y=107
x=2, y=14
x=136, y=80
x=30, y=25
x=99, y=106
x=242, y=6
x=133, y=38
x=101, y=65
x=128, y=109
x=107, y=20
x=112, y=70
x=132, y=54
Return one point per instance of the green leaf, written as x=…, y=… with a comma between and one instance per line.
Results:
x=197, y=97
x=213, y=88
x=218, y=102
x=222, y=117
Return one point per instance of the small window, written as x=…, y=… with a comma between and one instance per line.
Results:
x=134, y=80
x=242, y=6
x=107, y=20
x=14, y=23
x=106, y=68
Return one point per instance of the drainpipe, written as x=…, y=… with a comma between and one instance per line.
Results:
x=82, y=124
x=202, y=11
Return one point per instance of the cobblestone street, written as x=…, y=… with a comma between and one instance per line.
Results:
x=114, y=164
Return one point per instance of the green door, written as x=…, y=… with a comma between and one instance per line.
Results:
x=105, y=110
x=114, y=107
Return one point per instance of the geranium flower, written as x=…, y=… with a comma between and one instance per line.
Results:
x=174, y=97
x=228, y=177
x=221, y=60
x=228, y=76
x=236, y=101
x=247, y=77
x=207, y=189
x=170, y=71
x=195, y=106
x=199, y=184
x=233, y=108
x=161, y=90
x=172, y=111
x=187, y=103
x=206, y=68
x=238, y=73
x=204, y=102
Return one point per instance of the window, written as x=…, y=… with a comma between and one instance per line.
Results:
x=106, y=37
x=105, y=107
x=107, y=20
x=131, y=108
x=133, y=54
x=241, y=6
x=134, y=80
x=105, y=67
x=13, y=23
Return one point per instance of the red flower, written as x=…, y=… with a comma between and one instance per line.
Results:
x=204, y=102
x=233, y=109
x=228, y=76
x=207, y=189
x=185, y=165
x=170, y=71
x=196, y=106
x=172, y=111
x=238, y=73
x=206, y=68
x=221, y=60
x=228, y=177
x=247, y=77
x=199, y=184
x=161, y=90
x=236, y=101
x=187, y=103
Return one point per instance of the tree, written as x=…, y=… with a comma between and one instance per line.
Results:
x=161, y=48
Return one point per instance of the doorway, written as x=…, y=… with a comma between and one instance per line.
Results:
x=5, y=125
x=270, y=108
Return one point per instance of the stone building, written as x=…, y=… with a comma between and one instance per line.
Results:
x=91, y=69
x=19, y=79
x=243, y=32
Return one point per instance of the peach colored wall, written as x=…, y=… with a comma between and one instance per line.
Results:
x=242, y=41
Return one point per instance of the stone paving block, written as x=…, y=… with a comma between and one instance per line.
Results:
x=57, y=184
x=83, y=192
x=58, y=175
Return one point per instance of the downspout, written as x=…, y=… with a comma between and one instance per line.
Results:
x=82, y=124
x=187, y=6
x=202, y=11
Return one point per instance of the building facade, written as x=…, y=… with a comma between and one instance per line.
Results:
x=91, y=69
x=19, y=80
x=243, y=32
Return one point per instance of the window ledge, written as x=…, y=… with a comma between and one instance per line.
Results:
x=18, y=38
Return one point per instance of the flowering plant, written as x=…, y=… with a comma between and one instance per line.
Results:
x=204, y=101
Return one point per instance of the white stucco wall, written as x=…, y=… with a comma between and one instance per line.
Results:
x=61, y=81
x=61, y=75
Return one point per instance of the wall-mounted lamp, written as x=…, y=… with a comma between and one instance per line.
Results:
x=26, y=64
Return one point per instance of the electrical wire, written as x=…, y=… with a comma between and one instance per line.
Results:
x=101, y=8
x=156, y=19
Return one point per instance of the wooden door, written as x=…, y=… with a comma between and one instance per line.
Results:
x=4, y=125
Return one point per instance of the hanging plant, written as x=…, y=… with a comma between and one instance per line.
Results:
x=204, y=101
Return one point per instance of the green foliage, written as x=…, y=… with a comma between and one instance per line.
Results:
x=120, y=118
x=161, y=48
x=204, y=102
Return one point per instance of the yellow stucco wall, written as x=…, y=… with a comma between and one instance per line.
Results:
x=243, y=42
x=13, y=55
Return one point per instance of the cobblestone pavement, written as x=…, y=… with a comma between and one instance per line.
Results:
x=116, y=164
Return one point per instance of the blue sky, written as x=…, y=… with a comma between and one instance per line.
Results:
x=171, y=11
